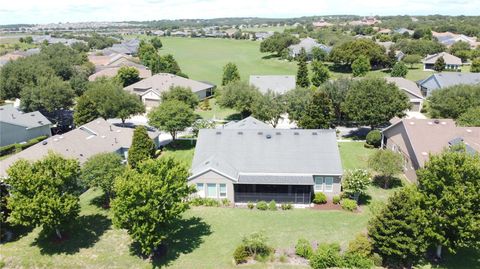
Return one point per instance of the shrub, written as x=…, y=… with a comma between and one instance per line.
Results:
x=377, y=259
x=374, y=138
x=225, y=202
x=349, y=204
x=262, y=205
x=303, y=248
x=250, y=205
x=326, y=256
x=255, y=245
x=320, y=198
x=361, y=245
x=336, y=199
x=240, y=254
x=355, y=260
x=272, y=205
x=287, y=206
x=198, y=201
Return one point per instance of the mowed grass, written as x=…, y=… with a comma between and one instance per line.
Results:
x=216, y=112
x=181, y=150
x=354, y=155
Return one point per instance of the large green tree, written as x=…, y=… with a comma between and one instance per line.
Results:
x=398, y=230
x=399, y=70
x=412, y=59
x=337, y=91
x=142, y=147
x=171, y=116
x=278, y=43
x=450, y=186
x=318, y=112
x=348, y=52
x=128, y=75
x=439, y=65
x=373, y=101
x=230, y=73
x=50, y=94
x=296, y=101
x=269, y=107
x=240, y=96
x=360, y=66
x=303, y=79
x=156, y=43
x=453, y=101
x=474, y=68
x=419, y=47
x=149, y=200
x=181, y=94
x=85, y=111
x=320, y=73
x=44, y=193
x=100, y=171
x=471, y=117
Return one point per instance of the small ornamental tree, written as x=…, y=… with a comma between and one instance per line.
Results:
x=181, y=94
x=296, y=102
x=302, y=72
x=356, y=182
x=399, y=70
x=85, y=111
x=360, y=66
x=450, y=186
x=142, y=147
x=44, y=193
x=172, y=117
x=149, y=200
x=453, y=101
x=230, y=73
x=398, y=231
x=156, y=43
x=387, y=164
x=471, y=117
x=475, y=67
x=269, y=107
x=320, y=73
x=318, y=113
x=439, y=65
x=100, y=170
x=128, y=75
x=412, y=59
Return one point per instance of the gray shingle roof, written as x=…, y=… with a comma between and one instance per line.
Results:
x=164, y=81
x=269, y=152
x=11, y=115
x=406, y=85
x=449, y=59
x=247, y=123
x=277, y=83
x=447, y=79
x=308, y=44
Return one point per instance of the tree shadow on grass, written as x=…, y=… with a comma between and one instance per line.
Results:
x=187, y=235
x=11, y=233
x=364, y=199
x=270, y=56
x=358, y=134
x=235, y=116
x=101, y=201
x=84, y=232
x=393, y=182
x=180, y=145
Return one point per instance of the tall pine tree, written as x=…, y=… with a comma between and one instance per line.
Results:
x=142, y=147
x=302, y=73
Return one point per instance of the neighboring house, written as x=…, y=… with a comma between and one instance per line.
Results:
x=385, y=31
x=179, y=34
x=277, y=83
x=366, y=21
x=128, y=47
x=451, y=62
x=445, y=79
x=17, y=126
x=95, y=137
x=12, y=56
x=416, y=139
x=308, y=44
x=55, y=40
x=404, y=30
x=112, y=72
x=321, y=24
x=150, y=89
x=263, y=35
x=448, y=39
x=411, y=89
x=249, y=123
x=250, y=165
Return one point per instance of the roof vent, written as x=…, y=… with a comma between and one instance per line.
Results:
x=218, y=133
x=33, y=115
x=44, y=142
x=436, y=121
x=260, y=133
x=269, y=136
x=296, y=133
x=240, y=133
x=278, y=133
x=314, y=133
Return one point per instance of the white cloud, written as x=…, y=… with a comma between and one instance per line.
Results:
x=34, y=11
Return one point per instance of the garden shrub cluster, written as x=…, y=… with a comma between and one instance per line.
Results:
x=287, y=206
x=272, y=205
x=374, y=138
x=303, y=248
x=253, y=246
x=15, y=148
x=320, y=198
x=198, y=201
x=336, y=199
x=262, y=205
x=348, y=204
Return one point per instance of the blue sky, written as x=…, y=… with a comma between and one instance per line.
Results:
x=49, y=11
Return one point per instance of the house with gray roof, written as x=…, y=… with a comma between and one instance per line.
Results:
x=250, y=165
x=277, y=83
x=150, y=89
x=247, y=123
x=443, y=80
x=451, y=62
x=308, y=44
x=97, y=136
x=128, y=47
x=411, y=89
x=17, y=126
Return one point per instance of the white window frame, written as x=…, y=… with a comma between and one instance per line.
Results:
x=216, y=190
x=201, y=192
x=220, y=190
x=322, y=180
x=326, y=189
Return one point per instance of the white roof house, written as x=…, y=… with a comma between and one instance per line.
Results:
x=277, y=83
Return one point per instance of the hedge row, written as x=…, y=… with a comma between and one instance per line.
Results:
x=15, y=148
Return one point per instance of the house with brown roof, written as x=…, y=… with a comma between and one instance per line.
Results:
x=108, y=66
x=417, y=139
x=451, y=62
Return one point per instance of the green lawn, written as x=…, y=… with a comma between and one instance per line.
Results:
x=354, y=155
x=181, y=150
x=217, y=112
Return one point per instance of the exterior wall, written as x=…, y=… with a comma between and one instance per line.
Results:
x=205, y=93
x=337, y=187
x=11, y=134
x=213, y=177
x=397, y=140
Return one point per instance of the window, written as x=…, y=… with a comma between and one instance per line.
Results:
x=212, y=190
x=200, y=189
x=223, y=190
x=328, y=184
x=318, y=183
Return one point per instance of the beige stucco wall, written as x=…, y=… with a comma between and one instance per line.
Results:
x=213, y=177
x=397, y=140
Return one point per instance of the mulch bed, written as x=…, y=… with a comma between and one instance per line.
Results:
x=327, y=206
